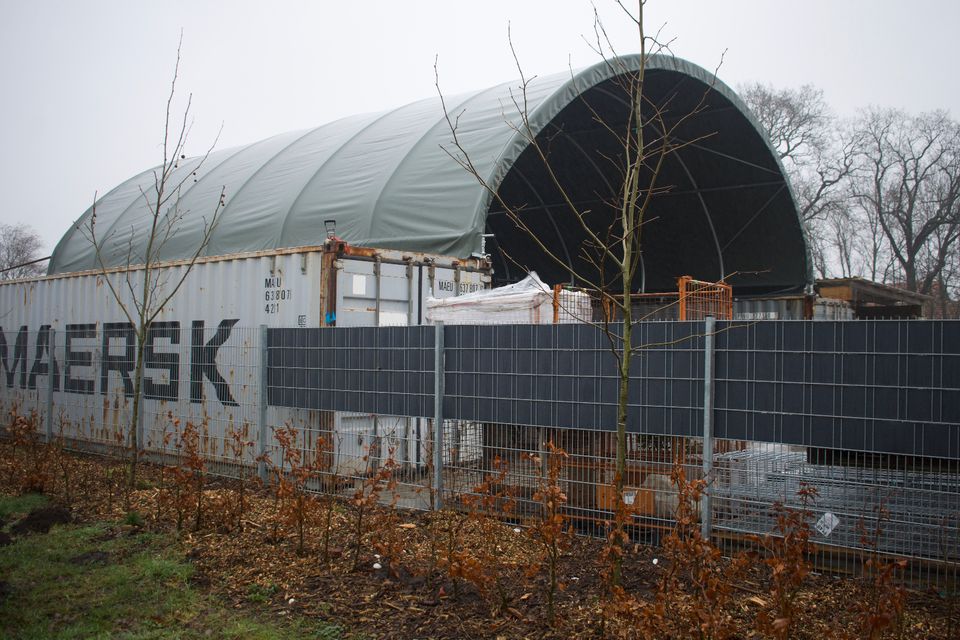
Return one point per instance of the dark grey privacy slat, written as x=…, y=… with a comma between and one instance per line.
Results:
x=881, y=386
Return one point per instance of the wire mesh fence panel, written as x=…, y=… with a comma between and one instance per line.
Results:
x=210, y=380
x=27, y=383
x=866, y=414
x=361, y=399
x=863, y=415
x=518, y=458
x=64, y=381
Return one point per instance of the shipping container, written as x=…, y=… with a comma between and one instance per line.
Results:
x=203, y=359
x=791, y=308
x=335, y=285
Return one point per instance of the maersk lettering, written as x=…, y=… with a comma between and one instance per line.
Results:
x=19, y=357
x=170, y=361
x=78, y=358
x=41, y=366
x=203, y=362
x=117, y=359
x=124, y=362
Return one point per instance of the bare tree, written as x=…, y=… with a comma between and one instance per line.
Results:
x=907, y=182
x=611, y=252
x=879, y=198
x=852, y=244
x=141, y=286
x=818, y=160
x=808, y=140
x=20, y=249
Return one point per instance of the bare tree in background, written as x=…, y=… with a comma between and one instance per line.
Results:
x=853, y=245
x=808, y=141
x=141, y=286
x=612, y=249
x=879, y=196
x=818, y=160
x=907, y=182
x=20, y=248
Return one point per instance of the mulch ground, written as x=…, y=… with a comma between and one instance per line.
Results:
x=255, y=566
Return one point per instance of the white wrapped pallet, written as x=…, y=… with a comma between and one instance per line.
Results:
x=530, y=301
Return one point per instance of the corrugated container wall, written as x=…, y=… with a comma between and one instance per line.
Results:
x=791, y=308
x=284, y=289
x=203, y=362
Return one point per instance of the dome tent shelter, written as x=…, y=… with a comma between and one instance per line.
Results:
x=387, y=181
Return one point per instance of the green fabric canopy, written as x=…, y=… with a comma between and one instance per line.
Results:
x=388, y=181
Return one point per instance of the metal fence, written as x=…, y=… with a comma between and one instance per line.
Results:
x=867, y=413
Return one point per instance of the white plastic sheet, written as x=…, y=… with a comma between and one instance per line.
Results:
x=530, y=301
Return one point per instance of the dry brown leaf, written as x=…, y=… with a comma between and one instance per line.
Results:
x=231, y=562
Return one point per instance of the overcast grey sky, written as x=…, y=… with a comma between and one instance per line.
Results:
x=84, y=82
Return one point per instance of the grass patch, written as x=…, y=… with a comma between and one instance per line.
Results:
x=19, y=505
x=260, y=594
x=95, y=582
x=134, y=519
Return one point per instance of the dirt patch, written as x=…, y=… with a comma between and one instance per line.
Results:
x=91, y=557
x=5, y=539
x=200, y=579
x=41, y=520
x=107, y=536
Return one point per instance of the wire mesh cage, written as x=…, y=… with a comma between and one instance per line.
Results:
x=700, y=299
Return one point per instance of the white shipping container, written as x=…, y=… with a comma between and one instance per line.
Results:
x=791, y=308
x=203, y=361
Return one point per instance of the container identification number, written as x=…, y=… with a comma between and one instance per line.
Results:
x=465, y=287
x=274, y=294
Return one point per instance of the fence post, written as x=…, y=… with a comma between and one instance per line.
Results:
x=438, y=390
x=51, y=353
x=262, y=417
x=709, y=327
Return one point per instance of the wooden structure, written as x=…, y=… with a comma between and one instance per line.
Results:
x=874, y=300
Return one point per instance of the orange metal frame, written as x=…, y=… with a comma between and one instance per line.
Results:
x=699, y=299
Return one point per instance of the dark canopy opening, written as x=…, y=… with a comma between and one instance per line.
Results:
x=727, y=212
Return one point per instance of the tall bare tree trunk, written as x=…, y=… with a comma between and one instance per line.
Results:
x=137, y=408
